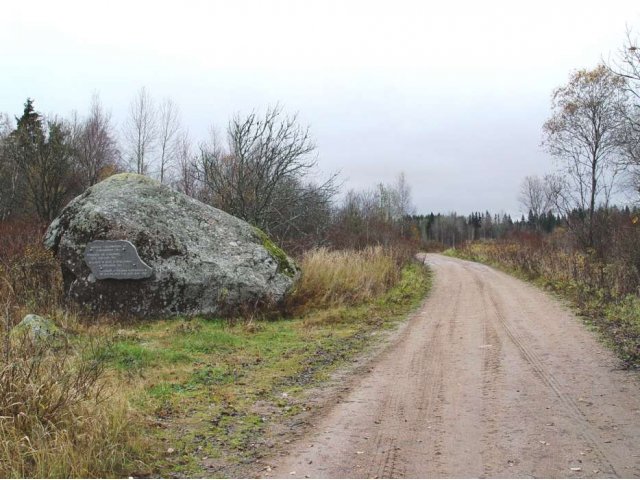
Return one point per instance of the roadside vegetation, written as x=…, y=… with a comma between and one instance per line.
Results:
x=185, y=396
x=217, y=391
x=60, y=413
x=182, y=396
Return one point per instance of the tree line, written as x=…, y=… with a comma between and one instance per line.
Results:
x=593, y=136
x=263, y=170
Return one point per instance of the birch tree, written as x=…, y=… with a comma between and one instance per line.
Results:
x=584, y=134
x=168, y=129
x=141, y=132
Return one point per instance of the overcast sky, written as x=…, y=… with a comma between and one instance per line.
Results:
x=452, y=93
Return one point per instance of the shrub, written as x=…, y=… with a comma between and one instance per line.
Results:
x=29, y=274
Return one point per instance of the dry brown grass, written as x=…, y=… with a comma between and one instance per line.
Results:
x=63, y=415
x=59, y=415
x=336, y=278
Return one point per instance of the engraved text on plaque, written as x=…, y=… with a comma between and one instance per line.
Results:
x=117, y=259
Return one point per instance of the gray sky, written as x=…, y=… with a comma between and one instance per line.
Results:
x=452, y=93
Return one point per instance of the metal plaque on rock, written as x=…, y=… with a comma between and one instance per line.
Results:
x=116, y=259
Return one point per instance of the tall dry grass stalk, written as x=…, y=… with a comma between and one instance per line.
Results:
x=59, y=417
x=345, y=277
x=96, y=442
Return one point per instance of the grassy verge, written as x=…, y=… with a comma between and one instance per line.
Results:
x=195, y=397
x=593, y=289
x=209, y=389
x=60, y=416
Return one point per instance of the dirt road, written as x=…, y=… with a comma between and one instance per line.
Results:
x=492, y=378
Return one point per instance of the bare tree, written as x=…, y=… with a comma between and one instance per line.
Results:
x=362, y=219
x=585, y=135
x=187, y=176
x=141, y=132
x=402, y=190
x=535, y=195
x=264, y=157
x=168, y=129
x=626, y=66
x=96, y=152
x=374, y=216
x=301, y=214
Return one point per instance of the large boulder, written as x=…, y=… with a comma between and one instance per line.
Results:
x=191, y=258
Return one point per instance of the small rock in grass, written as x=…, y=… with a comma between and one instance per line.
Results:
x=39, y=329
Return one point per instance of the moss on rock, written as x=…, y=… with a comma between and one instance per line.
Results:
x=285, y=264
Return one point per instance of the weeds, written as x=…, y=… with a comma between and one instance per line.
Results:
x=116, y=406
x=222, y=370
x=60, y=415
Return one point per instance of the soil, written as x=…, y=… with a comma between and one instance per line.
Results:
x=491, y=378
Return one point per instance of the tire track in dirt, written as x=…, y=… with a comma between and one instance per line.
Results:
x=538, y=367
x=491, y=378
x=386, y=462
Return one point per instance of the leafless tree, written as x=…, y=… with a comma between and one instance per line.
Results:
x=403, y=201
x=96, y=152
x=301, y=214
x=362, y=219
x=373, y=216
x=626, y=66
x=168, y=129
x=187, y=175
x=535, y=195
x=141, y=132
x=267, y=160
x=584, y=134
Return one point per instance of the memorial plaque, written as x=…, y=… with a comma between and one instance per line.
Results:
x=116, y=259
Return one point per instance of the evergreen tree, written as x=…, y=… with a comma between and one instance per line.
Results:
x=43, y=158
